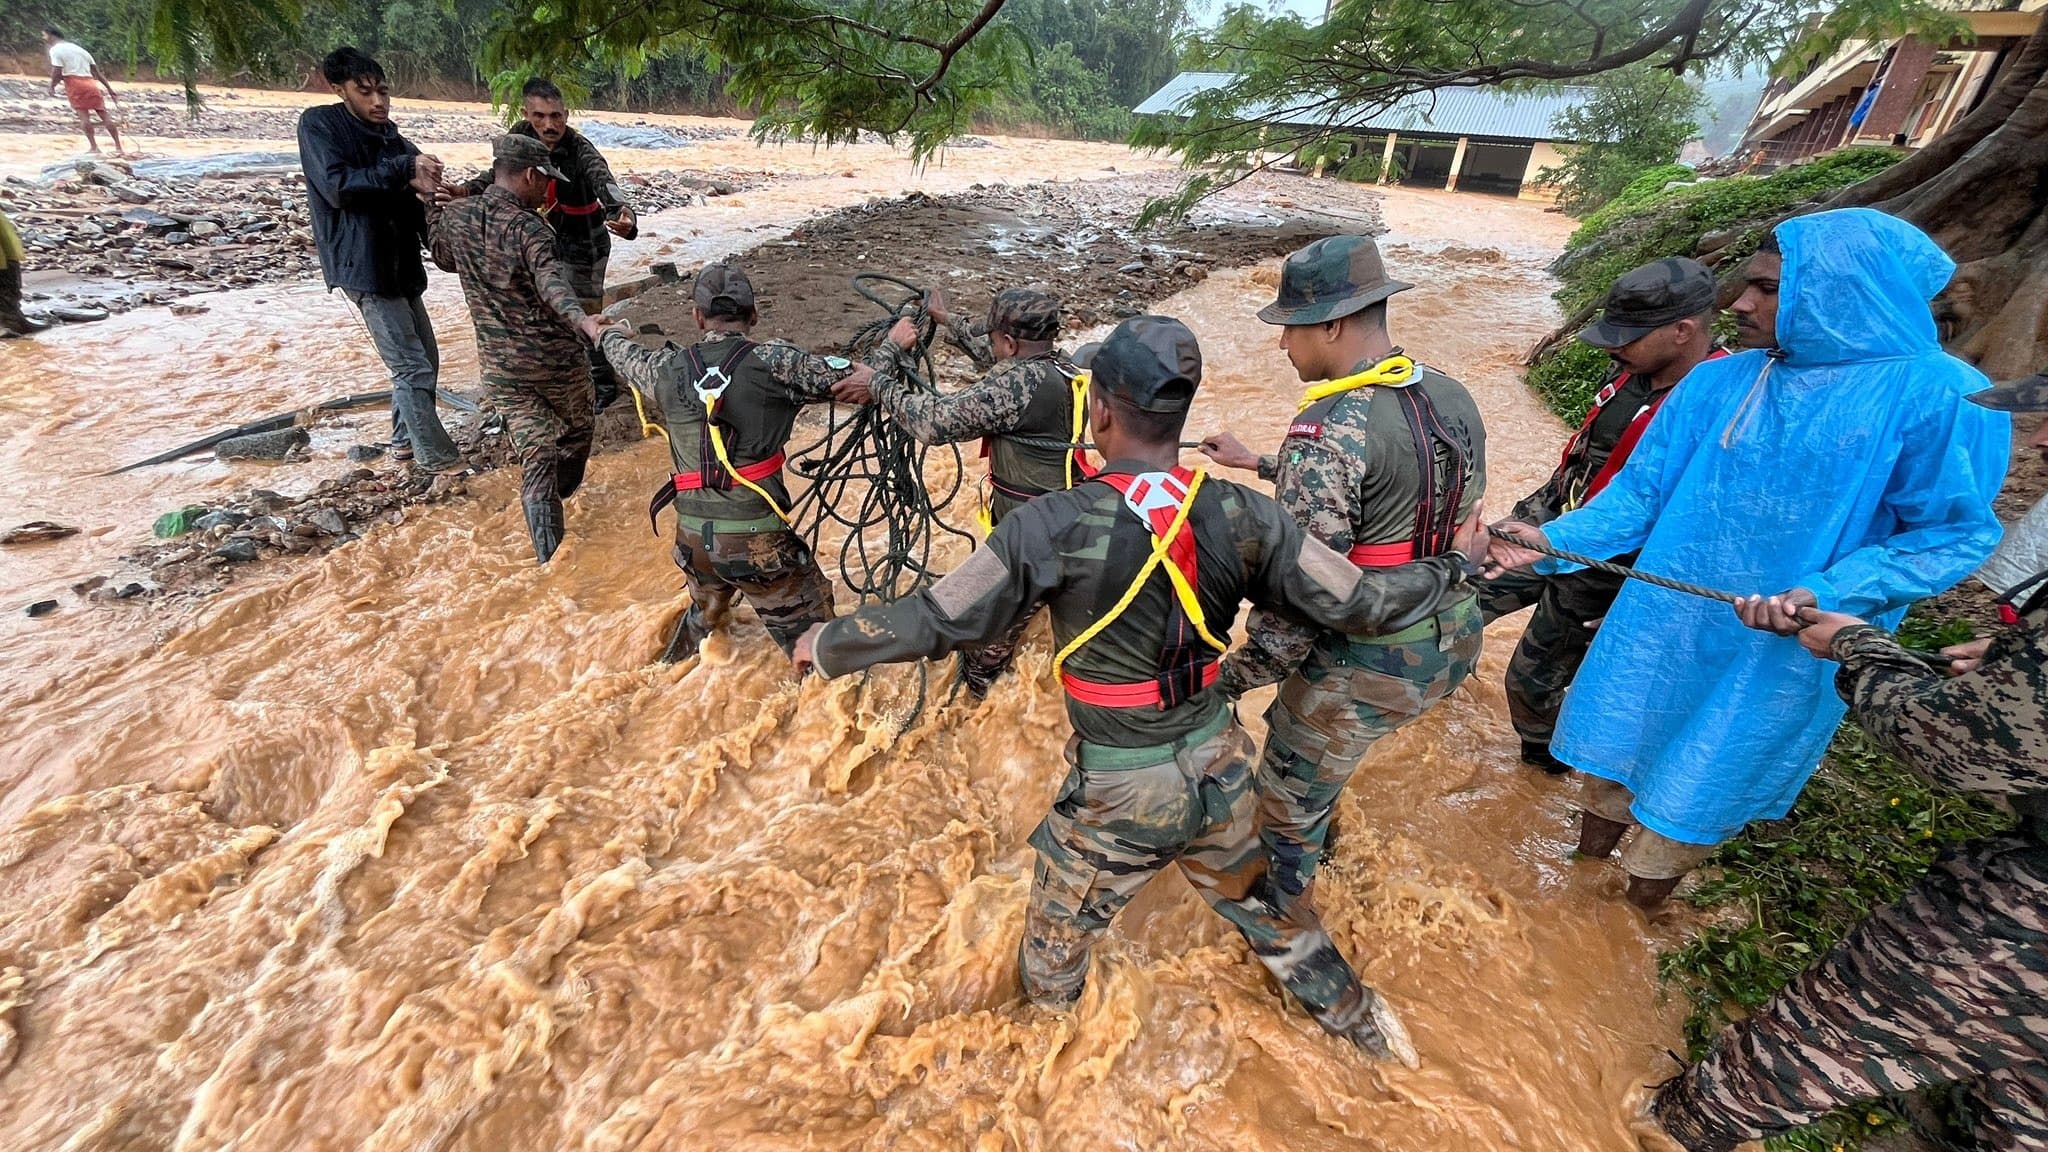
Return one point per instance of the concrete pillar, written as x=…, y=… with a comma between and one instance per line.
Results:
x=1457, y=164
x=1387, y=156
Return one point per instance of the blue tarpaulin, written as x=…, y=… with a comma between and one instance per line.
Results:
x=1851, y=465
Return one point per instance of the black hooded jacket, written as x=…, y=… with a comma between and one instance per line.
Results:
x=366, y=221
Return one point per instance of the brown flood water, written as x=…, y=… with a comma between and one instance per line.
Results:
x=406, y=847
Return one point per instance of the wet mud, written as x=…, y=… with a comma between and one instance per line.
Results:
x=410, y=846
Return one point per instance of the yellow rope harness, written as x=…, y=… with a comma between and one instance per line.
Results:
x=709, y=397
x=1393, y=372
x=1184, y=591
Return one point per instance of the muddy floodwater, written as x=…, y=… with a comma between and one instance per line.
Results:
x=409, y=847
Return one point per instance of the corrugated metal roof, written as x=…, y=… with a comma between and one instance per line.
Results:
x=1444, y=112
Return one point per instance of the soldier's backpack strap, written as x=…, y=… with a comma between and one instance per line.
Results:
x=1162, y=501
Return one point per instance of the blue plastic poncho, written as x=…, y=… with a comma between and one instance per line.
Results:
x=1851, y=466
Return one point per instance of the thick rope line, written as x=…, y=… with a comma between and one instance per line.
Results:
x=1613, y=569
x=1933, y=660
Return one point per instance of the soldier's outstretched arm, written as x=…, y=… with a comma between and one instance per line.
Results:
x=1984, y=731
x=537, y=248
x=640, y=366
x=808, y=376
x=1299, y=574
x=990, y=407
x=976, y=603
x=979, y=346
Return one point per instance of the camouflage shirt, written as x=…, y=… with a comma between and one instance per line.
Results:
x=578, y=209
x=1985, y=731
x=759, y=410
x=519, y=298
x=1076, y=552
x=1032, y=397
x=1348, y=472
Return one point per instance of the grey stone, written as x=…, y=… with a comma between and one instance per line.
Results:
x=221, y=518
x=329, y=521
x=362, y=452
x=239, y=551
x=42, y=608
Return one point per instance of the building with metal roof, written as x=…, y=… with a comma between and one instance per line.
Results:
x=1477, y=139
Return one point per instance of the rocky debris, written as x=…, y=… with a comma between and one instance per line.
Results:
x=360, y=453
x=37, y=532
x=42, y=608
x=241, y=550
x=278, y=445
x=149, y=240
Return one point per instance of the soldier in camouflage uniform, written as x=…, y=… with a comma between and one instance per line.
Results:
x=1381, y=463
x=584, y=205
x=527, y=319
x=1023, y=412
x=1949, y=985
x=728, y=405
x=1657, y=324
x=1142, y=569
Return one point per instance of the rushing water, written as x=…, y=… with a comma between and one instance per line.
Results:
x=407, y=847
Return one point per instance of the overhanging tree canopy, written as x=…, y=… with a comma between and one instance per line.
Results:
x=828, y=69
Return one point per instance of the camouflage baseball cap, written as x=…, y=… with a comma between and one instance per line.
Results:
x=1025, y=313
x=2027, y=395
x=1330, y=279
x=1645, y=299
x=1152, y=362
x=526, y=152
x=723, y=292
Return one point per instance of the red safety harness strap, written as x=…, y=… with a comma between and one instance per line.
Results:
x=1145, y=694
x=1390, y=555
x=756, y=472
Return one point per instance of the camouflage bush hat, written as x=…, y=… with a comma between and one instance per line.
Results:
x=526, y=152
x=2027, y=395
x=1025, y=313
x=1151, y=362
x=723, y=292
x=1331, y=279
x=1645, y=299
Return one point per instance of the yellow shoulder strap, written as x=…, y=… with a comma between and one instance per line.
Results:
x=1080, y=387
x=718, y=447
x=1182, y=589
x=1396, y=369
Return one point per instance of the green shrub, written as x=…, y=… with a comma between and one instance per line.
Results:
x=1569, y=378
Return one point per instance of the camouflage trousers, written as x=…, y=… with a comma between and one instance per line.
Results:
x=1946, y=986
x=1347, y=694
x=773, y=569
x=1555, y=642
x=587, y=281
x=1111, y=829
x=550, y=423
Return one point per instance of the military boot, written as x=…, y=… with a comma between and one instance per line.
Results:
x=1380, y=1034
x=689, y=636
x=569, y=474
x=12, y=319
x=544, y=522
x=1598, y=835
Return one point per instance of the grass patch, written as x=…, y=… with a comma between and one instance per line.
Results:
x=1864, y=830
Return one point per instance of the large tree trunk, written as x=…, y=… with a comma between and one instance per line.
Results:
x=1981, y=190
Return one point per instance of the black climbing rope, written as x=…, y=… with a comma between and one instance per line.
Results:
x=867, y=474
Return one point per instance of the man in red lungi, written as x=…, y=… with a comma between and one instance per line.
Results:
x=79, y=74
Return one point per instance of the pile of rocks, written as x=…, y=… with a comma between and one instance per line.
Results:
x=174, y=237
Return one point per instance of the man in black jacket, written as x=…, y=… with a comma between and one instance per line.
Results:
x=585, y=206
x=364, y=182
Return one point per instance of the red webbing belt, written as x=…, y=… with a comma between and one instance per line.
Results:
x=1141, y=695
x=690, y=482
x=1382, y=555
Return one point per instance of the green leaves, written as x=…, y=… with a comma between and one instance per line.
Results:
x=1637, y=119
x=1372, y=53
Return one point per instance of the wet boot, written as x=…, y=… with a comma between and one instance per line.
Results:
x=1537, y=755
x=1598, y=835
x=569, y=474
x=689, y=636
x=1650, y=895
x=1380, y=1034
x=977, y=676
x=544, y=523
x=12, y=319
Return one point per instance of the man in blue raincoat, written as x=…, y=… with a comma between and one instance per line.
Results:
x=1836, y=463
